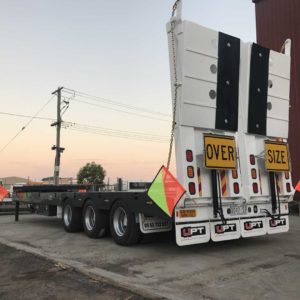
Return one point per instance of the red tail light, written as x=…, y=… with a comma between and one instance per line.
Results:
x=190, y=172
x=288, y=187
x=253, y=173
x=255, y=188
x=189, y=155
x=252, y=159
x=236, y=188
x=287, y=175
x=192, y=188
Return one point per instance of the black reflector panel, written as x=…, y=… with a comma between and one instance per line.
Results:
x=258, y=90
x=228, y=83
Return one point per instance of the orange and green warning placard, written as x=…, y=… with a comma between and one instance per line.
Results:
x=166, y=191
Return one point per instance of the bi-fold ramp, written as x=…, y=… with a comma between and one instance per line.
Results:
x=228, y=90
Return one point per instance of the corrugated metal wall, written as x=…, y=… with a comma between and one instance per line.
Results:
x=277, y=20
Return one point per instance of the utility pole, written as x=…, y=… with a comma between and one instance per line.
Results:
x=57, y=147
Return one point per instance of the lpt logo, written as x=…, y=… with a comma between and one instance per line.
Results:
x=187, y=232
x=221, y=228
x=250, y=225
x=277, y=223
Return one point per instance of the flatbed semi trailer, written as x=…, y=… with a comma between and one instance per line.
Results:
x=230, y=125
x=98, y=213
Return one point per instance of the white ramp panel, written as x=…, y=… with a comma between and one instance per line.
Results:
x=199, y=76
x=278, y=95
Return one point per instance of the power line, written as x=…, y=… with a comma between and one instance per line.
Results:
x=112, y=102
x=93, y=129
x=114, y=132
x=121, y=136
x=119, y=110
x=25, y=116
x=25, y=126
x=71, y=124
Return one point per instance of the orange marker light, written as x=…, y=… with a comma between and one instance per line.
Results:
x=234, y=174
x=253, y=173
x=190, y=172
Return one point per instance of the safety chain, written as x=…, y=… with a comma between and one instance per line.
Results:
x=175, y=7
x=173, y=24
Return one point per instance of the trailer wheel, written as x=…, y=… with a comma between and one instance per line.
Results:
x=123, y=227
x=71, y=217
x=95, y=221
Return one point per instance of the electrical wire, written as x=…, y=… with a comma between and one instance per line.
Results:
x=111, y=102
x=114, y=132
x=119, y=110
x=121, y=136
x=97, y=129
x=26, y=125
x=25, y=116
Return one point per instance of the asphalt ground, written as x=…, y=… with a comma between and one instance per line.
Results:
x=28, y=276
x=266, y=267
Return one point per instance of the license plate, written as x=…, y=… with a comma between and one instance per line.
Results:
x=237, y=210
x=220, y=152
x=187, y=213
x=277, y=156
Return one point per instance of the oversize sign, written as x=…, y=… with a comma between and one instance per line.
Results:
x=220, y=152
x=277, y=156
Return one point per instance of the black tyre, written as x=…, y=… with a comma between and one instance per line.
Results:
x=95, y=221
x=123, y=226
x=71, y=217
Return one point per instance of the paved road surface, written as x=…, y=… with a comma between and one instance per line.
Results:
x=27, y=276
x=256, y=268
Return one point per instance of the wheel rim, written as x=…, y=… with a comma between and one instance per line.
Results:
x=67, y=215
x=90, y=218
x=120, y=221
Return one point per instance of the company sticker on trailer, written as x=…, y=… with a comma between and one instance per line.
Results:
x=220, y=152
x=277, y=156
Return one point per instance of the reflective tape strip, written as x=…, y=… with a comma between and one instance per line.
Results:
x=260, y=186
x=278, y=183
x=223, y=183
x=199, y=182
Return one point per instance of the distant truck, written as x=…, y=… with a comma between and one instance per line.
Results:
x=231, y=105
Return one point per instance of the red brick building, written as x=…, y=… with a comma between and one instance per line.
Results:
x=276, y=21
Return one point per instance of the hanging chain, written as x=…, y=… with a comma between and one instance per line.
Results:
x=173, y=24
x=175, y=7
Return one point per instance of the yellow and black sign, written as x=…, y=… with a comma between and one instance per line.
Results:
x=220, y=152
x=277, y=156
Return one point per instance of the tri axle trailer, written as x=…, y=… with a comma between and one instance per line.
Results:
x=119, y=213
x=230, y=125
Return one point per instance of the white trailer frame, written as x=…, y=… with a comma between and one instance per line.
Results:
x=193, y=52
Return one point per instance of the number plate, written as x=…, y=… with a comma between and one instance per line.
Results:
x=277, y=156
x=237, y=210
x=187, y=213
x=220, y=152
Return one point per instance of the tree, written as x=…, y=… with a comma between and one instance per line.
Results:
x=91, y=173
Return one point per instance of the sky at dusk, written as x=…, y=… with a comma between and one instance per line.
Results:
x=116, y=50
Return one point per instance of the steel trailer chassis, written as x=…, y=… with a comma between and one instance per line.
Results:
x=98, y=213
